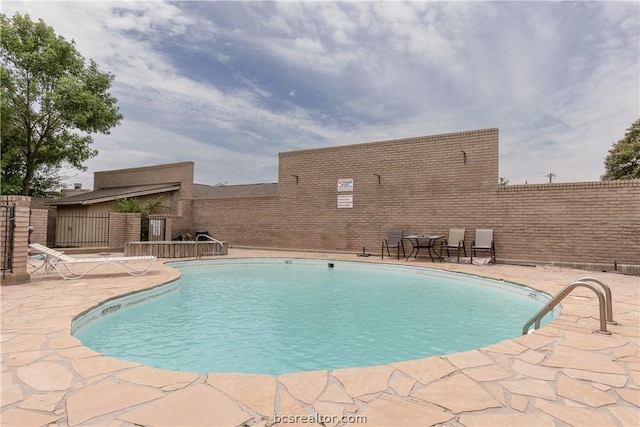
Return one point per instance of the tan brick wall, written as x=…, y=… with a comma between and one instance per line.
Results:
x=18, y=272
x=591, y=222
x=182, y=220
x=430, y=184
x=180, y=206
x=424, y=182
x=39, y=222
x=123, y=227
x=159, y=174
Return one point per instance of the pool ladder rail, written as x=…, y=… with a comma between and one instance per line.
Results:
x=219, y=246
x=604, y=302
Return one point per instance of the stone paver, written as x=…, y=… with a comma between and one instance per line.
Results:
x=626, y=415
x=630, y=395
x=488, y=373
x=20, y=417
x=305, y=386
x=335, y=393
x=562, y=374
x=534, y=371
x=105, y=397
x=363, y=381
x=426, y=370
x=258, y=392
x=575, y=416
x=530, y=387
x=200, y=405
x=401, y=383
x=45, y=402
x=158, y=378
x=583, y=393
x=46, y=376
x=458, y=393
x=568, y=357
x=506, y=420
x=390, y=411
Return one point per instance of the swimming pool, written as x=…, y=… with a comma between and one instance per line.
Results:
x=272, y=316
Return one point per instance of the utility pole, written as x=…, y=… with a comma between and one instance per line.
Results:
x=551, y=175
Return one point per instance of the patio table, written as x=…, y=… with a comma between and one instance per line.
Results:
x=423, y=241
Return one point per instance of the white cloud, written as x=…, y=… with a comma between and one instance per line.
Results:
x=560, y=79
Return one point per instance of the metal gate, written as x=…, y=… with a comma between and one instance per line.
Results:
x=8, y=212
x=81, y=229
x=157, y=227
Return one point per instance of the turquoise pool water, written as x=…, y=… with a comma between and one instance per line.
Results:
x=274, y=316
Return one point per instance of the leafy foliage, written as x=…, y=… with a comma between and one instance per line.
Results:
x=133, y=205
x=51, y=101
x=623, y=160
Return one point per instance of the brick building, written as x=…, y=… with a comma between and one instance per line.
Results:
x=346, y=197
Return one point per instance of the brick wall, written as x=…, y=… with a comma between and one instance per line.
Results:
x=590, y=222
x=39, y=223
x=123, y=227
x=429, y=184
x=180, y=201
x=18, y=272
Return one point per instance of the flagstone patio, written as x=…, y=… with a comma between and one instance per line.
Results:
x=562, y=374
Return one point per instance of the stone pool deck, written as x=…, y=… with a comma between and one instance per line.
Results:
x=563, y=374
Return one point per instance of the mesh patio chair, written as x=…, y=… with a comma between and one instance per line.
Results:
x=484, y=242
x=455, y=242
x=394, y=240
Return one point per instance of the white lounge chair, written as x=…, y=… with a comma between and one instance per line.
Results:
x=64, y=264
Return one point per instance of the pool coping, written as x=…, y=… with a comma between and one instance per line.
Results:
x=560, y=374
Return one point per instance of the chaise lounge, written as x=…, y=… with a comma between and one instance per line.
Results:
x=64, y=264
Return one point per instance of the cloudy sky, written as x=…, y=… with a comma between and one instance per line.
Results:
x=229, y=85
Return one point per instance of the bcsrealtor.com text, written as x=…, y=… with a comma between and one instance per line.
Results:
x=319, y=419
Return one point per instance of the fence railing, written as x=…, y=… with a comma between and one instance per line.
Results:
x=8, y=212
x=82, y=229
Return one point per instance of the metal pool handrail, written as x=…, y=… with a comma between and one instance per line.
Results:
x=562, y=294
x=607, y=297
x=218, y=243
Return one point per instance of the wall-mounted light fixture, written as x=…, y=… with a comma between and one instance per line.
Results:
x=378, y=177
x=464, y=156
x=296, y=177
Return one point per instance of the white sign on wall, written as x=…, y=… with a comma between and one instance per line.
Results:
x=345, y=201
x=156, y=227
x=345, y=184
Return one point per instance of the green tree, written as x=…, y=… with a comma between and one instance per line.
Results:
x=52, y=100
x=623, y=160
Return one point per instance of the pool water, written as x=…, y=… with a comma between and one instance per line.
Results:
x=274, y=316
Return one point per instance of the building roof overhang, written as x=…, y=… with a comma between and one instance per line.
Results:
x=108, y=194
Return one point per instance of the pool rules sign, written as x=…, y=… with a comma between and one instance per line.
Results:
x=345, y=201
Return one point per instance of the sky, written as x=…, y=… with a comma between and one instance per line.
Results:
x=229, y=85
